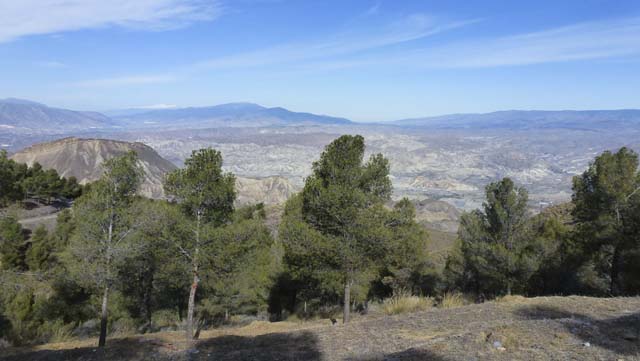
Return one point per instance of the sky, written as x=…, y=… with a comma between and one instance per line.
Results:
x=366, y=60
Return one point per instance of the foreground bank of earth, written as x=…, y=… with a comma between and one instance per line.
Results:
x=543, y=328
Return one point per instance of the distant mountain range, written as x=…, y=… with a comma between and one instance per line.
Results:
x=225, y=115
x=26, y=117
x=531, y=119
x=23, y=116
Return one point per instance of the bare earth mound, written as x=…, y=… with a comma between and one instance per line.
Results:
x=82, y=158
x=544, y=328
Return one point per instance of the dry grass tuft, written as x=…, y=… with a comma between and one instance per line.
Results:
x=404, y=303
x=511, y=299
x=452, y=300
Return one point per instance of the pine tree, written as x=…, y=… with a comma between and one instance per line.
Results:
x=13, y=245
x=497, y=253
x=206, y=196
x=407, y=260
x=605, y=196
x=104, y=222
x=339, y=198
x=40, y=253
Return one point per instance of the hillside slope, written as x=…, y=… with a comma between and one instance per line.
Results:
x=544, y=328
x=269, y=190
x=82, y=158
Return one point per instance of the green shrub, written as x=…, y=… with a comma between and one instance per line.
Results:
x=165, y=319
x=123, y=326
x=56, y=331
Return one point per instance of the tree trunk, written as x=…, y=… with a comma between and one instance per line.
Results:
x=102, y=340
x=347, y=301
x=148, y=286
x=614, y=287
x=196, y=280
x=103, y=318
x=190, y=309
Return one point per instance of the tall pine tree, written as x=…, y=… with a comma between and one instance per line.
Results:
x=337, y=200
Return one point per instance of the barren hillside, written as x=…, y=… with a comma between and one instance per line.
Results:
x=82, y=158
x=544, y=328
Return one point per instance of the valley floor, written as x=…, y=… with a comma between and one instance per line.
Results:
x=543, y=328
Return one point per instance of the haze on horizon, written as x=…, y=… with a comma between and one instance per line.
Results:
x=363, y=60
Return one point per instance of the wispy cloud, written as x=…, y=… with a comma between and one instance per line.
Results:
x=409, y=28
x=303, y=55
x=33, y=17
x=611, y=39
x=381, y=48
x=125, y=81
x=584, y=41
x=374, y=9
x=50, y=64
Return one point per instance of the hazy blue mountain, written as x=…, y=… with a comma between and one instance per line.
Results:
x=225, y=115
x=532, y=119
x=27, y=117
x=24, y=116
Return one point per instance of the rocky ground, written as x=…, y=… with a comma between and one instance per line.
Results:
x=544, y=328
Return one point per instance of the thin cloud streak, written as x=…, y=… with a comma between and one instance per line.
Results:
x=410, y=28
x=613, y=39
x=52, y=64
x=413, y=27
x=125, y=81
x=584, y=41
x=36, y=17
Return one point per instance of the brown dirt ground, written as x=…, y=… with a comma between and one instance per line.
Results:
x=543, y=328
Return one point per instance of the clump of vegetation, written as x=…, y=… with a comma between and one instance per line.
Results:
x=19, y=182
x=404, y=303
x=452, y=300
x=588, y=247
x=511, y=299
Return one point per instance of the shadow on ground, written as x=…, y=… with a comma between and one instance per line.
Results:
x=120, y=349
x=295, y=346
x=275, y=346
x=412, y=354
x=618, y=334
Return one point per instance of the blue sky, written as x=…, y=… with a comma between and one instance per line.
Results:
x=365, y=60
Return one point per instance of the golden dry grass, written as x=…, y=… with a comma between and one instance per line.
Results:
x=511, y=299
x=452, y=300
x=404, y=303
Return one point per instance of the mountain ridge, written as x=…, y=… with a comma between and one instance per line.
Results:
x=25, y=116
x=528, y=119
x=228, y=114
x=28, y=117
